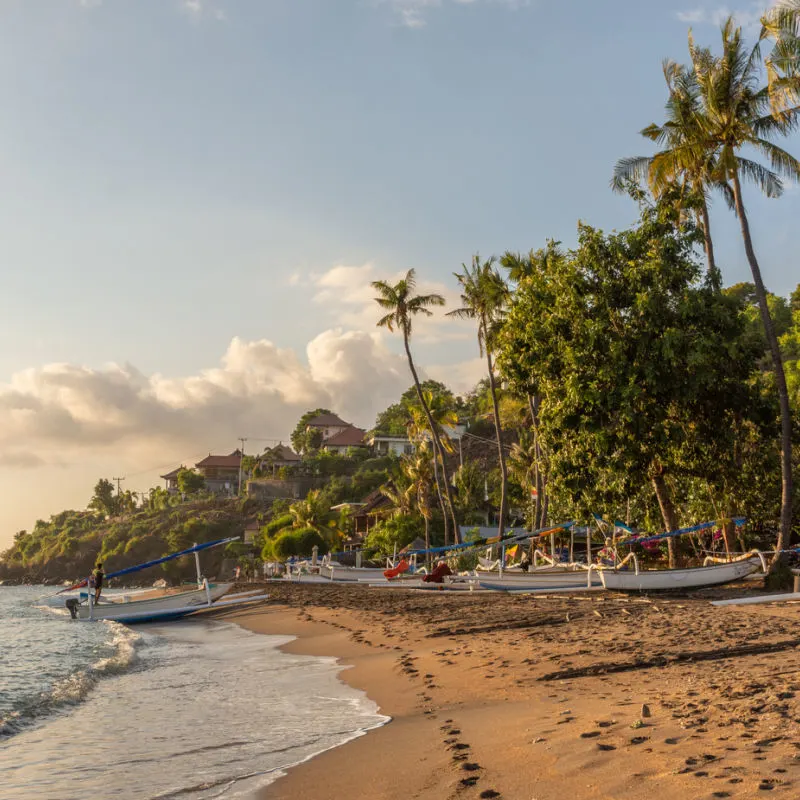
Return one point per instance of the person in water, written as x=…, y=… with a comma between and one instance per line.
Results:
x=98, y=581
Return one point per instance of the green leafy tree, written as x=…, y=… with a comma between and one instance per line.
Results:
x=637, y=363
x=402, y=305
x=104, y=500
x=190, y=482
x=305, y=441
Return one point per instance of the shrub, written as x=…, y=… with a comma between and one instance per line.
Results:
x=307, y=539
x=285, y=546
x=278, y=524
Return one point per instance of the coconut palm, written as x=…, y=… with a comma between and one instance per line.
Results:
x=403, y=305
x=417, y=469
x=693, y=171
x=484, y=294
x=738, y=111
x=418, y=431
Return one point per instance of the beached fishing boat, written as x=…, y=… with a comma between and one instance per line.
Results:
x=660, y=580
x=546, y=580
x=160, y=605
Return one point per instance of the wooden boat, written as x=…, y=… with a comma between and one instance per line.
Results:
x=164, y=605
x=660, y=580
x=549, y=580
x=158, y=605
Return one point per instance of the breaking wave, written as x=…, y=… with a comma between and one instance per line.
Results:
x=120, y=654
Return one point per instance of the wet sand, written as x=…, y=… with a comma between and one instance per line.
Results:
x=590, y=696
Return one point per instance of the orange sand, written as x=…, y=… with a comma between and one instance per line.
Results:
x=477, y=712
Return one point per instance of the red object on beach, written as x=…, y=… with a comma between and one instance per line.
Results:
x=438, y=574
x=398, y=570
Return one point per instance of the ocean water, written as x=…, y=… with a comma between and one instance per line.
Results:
x=191, y=710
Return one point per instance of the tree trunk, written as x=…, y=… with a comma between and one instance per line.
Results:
x=500, y=451
x=785, y=532
x=667, y=512
x=533, y=406
x=713, y=272
x=437, y=442
x=427, y=541
x=440, y=494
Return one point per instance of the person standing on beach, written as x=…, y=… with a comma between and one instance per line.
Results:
x=98, y=581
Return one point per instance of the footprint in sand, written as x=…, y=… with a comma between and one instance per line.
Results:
x=489, y=793
x=590, y=734
x=606, y=747
x=471, y=766
x=468, y=781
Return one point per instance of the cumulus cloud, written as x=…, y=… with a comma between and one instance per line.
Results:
x=414, y=13
x=257, y=390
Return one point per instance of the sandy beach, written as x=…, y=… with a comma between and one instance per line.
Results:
x=590, y=696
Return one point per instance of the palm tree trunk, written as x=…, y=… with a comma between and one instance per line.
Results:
x=427, y=540
x=437, y=442
x=440, y=495
x=667, y=512
x=785, y=532
x=501, y=454
x=713, y=272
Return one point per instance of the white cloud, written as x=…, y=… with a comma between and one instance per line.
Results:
x=461, y=378
x=748, y=18
x=414, y=13
x=203, y=9
x=73, y=413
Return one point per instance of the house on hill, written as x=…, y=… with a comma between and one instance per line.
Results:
x=171, y=479
x=384, y=444
x=221, y=473
x=276, y=457
x=329, y=424
x=341, y=442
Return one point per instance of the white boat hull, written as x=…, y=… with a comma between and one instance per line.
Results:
x=660, y=580
x=563, y=581
x=157, y=607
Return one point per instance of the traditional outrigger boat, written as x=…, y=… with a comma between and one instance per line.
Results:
x=160, y=605
x=659, y=580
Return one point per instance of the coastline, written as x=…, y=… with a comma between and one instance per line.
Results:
x=481, y=705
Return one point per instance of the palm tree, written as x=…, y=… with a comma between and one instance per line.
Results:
x=739, y=111
x=418, y=431
x=692, y=170
x=403, y=305
x=417, y=469
x=484, y=294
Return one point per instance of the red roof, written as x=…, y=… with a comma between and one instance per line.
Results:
x=233, y=460
x=172, y=475
x=326, y=421
x=349, y=437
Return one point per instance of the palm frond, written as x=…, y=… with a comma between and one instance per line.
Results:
x=761, y=176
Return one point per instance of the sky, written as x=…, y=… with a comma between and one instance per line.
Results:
x=197, y=194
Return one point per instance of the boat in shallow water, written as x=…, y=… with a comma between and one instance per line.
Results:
x=159, y=605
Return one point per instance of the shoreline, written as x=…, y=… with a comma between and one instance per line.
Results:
x=548, y=697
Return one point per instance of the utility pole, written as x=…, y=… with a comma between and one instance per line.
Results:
x=118, y=480
x=242, y=439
